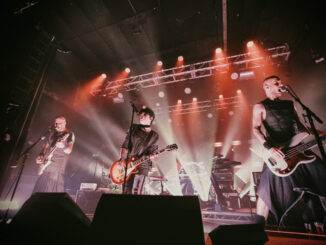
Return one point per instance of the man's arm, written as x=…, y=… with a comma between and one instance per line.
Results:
x=123, y=153
x=40, y=158
x=70, y=144
x=259, y=113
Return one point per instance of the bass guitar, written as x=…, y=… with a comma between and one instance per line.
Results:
x=117, y=170
x=48, y=157
x=294, y=151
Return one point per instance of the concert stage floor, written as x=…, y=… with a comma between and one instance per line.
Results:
x=212, y=220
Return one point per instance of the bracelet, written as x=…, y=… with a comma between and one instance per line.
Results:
x=267, y=145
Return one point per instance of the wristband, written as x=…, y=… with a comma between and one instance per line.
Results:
x=267, y=145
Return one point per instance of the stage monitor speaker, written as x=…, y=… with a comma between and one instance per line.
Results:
x=134, y=219
x=88, y=200
x=244, y=234
x=49, y=218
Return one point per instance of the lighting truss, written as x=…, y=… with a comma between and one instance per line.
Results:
x=240, y=62
x=201, y=106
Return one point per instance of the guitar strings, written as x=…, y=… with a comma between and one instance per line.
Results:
x=296, y=150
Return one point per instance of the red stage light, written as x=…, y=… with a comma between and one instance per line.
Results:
x=221, y=96
x=103, y=75
x=159, y=63
x=180, y=58
x=194, y=99
x=250, y=44
x=127, y=70
x=239, y=91
x=179, y=101
x=218, y=50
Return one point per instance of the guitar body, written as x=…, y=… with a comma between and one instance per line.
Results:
x=43, y=166
x=294, y=156
x=117, y=171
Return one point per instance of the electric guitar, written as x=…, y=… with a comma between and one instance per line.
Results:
x=47, y=158
x=294, y=155
x=117, y=170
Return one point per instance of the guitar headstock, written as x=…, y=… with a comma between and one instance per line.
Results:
x=172, y=147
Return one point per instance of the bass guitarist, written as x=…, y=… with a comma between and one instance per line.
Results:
x=274, y=122
x=144, y=141
x=53, y=158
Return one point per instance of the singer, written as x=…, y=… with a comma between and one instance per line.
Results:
x=144, y=141
x=276, y=121
x=54, y=157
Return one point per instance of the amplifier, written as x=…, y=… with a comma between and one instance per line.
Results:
x=223, y=174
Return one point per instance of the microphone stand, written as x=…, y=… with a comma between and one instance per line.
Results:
x=310, y=115
x=134, y=109
x=24, y=155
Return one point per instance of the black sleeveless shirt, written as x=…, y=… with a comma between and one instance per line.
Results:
x=281, y=122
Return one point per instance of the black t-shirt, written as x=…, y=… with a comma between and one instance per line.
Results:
x=142, y=143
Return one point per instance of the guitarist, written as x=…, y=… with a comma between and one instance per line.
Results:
x=144, y=141
x=280, y=122
x=55, y=155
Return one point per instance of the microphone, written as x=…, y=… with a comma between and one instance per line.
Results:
x=134, y=107
x=284, y=89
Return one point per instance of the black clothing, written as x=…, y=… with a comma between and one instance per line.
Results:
x=52, y=179
x=281, y=122
x=281, y=194
x=142, y=143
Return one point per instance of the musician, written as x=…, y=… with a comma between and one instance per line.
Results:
x=144, y=141
x=60, y=143
x=280, y=121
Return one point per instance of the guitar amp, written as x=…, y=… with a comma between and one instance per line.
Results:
x=223, y=174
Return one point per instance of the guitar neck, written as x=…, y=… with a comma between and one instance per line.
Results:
x=145, y=158
x=308, y=145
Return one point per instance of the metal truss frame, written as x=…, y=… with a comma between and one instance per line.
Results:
x=239, y=62
x=200, y=106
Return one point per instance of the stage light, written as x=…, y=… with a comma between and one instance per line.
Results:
x=220, y=96
x=250, y=44
x=239, y=91
x=247, y=75
x=194, y=99
x=180, y=58
x=236, y=142
x=127, y=70
x=234, y=76
x=218, y=51
x=157, y=104
x=188, y=90
x=161, y=94
x=103, y=75
x=179, y=101
x=218, y=144
x=209, y=115
x=159, y=63
x=120, y=95
x=231, y=113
